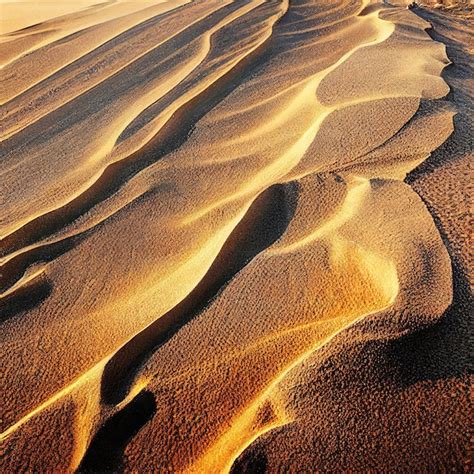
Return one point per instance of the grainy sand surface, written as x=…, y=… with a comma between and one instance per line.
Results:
x=235, y=236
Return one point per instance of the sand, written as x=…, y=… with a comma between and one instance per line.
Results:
x=235, y=236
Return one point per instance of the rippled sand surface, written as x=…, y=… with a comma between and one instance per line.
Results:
x=235, y=237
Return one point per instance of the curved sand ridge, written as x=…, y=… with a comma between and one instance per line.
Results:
x=83, y=26
x=199, y=197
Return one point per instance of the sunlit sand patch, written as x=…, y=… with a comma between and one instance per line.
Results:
x=351, y=205
x=101, y=150
x=95, y=28
x=19, y=14
x=242, y=433
x=210, y=194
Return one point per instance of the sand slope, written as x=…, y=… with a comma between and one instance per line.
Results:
x=218, y=232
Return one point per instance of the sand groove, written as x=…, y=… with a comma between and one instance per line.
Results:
x=235, y=254
x=200, y=200
x=263, y=224
x=170, y=137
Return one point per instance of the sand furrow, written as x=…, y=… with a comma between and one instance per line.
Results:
x=96, y=67
x=266, y=218
x=226, y=73
x=110, y=181
x=203, y=213
x=234, y=254
x=57, y=53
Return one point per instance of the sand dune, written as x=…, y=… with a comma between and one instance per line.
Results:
x=221, y=221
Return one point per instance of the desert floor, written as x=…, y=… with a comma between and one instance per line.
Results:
x=235, y=236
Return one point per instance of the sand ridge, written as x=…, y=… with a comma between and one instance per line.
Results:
x=200, y=198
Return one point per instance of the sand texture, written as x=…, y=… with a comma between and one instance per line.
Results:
x=236, y=236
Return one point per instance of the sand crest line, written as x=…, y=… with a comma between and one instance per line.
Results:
x=118, y=127
x=297, y=151
x=291, y=157
x=219, y=240
x=107, y=76
x=214, y=458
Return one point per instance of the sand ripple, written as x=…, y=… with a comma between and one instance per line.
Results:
x=197, y=199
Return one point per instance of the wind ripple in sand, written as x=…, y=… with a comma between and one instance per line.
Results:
x=198, y=197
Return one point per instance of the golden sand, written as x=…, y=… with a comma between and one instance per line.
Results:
x=234, y=236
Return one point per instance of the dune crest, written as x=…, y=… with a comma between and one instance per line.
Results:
x=202, y=201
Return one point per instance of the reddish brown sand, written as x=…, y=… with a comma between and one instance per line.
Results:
x=235, y=237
